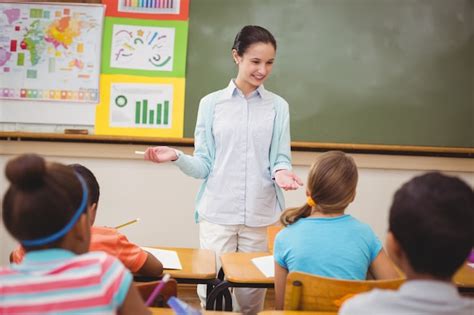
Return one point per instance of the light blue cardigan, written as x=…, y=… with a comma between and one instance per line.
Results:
x=200, y=164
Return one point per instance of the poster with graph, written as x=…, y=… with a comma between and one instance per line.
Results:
x=141, y=106
x=145, y=47
x=50, y=52
x=148, y=9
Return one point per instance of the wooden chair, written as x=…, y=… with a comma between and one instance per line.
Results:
x=309, y=292
x=170, y=289
x=272, y=231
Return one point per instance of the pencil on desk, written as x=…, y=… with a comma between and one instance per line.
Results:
x=127, y=223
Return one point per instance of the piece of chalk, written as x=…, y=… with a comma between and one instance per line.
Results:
x=140, y=152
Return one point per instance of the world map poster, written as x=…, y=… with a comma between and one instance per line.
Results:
x=50, y=52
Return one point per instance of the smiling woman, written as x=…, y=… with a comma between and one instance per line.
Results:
x=242, y=151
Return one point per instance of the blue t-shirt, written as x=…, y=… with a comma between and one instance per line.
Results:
x=339, y=247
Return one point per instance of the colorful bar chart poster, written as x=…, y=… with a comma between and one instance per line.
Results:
x=50, y=52
x=148, y=9
x=145, y=47
x=141, y=106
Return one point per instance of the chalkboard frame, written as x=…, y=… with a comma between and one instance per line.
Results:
x=460, y=152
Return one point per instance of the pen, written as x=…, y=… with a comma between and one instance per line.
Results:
x=140, y=152
x=157, y=289
x=127, y=223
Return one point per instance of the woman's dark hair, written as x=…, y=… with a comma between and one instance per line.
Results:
x=41, y=199
x=332, y=182
x=252, y=34
x=432, y=218
x=92, y=184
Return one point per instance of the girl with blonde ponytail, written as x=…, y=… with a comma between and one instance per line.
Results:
x=320, y=238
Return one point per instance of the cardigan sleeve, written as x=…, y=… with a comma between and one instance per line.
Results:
x=200, y=163
x=281, y=142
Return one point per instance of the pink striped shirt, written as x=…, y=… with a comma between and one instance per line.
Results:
x=58, y=281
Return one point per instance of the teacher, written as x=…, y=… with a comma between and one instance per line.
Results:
x=242, y=151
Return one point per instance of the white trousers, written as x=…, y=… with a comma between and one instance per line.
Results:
x=235, y=238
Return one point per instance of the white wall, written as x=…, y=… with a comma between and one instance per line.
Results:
x=163, y=198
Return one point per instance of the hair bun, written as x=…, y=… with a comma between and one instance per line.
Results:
x=26, y=171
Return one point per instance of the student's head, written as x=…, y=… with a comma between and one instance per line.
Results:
x=45, y=205
x=431, y=225
x=332, y=182
x=94, y=188
x=254, y=53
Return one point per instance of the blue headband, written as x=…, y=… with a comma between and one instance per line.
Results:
x=57, y=235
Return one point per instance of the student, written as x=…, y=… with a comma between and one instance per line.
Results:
x=320, y=239
x=242, y=151
x=45, y=209
x=431, y=230
x=108, y=239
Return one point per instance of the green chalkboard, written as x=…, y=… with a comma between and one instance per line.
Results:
x=396, y=72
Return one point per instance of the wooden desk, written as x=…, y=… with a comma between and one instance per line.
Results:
x=237, y=271
x=168, y=311
x=199, y=267
x=198, y=264
x=464, y=279
x=238, y=268
x=295, y=313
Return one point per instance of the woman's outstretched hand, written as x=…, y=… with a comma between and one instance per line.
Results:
x=287, y=180
x=160, y=154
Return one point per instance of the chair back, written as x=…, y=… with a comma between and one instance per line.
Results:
x=146, y=288
x=309, y=292
x=272, y=231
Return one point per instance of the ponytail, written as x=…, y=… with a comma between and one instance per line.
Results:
x=291, y=215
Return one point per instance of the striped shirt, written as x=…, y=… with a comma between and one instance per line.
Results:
x=108, y=240
x=58, y=281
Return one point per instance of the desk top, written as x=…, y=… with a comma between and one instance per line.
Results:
x=296, y=313
x=197, y=263
x=168, y=311
x=464, y=277
x=238, y=268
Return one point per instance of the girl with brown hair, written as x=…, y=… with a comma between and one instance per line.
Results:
x=320, y=238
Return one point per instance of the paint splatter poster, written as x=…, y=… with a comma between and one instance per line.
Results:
x=50, y=52
x=145, y=47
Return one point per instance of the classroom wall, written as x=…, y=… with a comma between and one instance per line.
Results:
x=163, y=198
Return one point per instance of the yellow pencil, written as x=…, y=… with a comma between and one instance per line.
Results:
x=127, y=223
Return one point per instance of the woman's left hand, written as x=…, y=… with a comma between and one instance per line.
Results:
x=287, y=180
